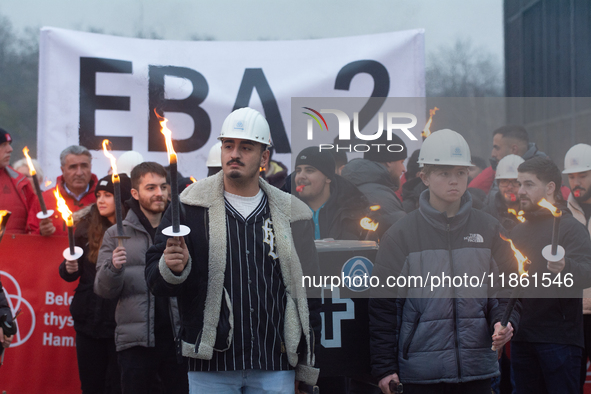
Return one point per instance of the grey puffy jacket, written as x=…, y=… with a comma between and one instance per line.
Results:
x=135, y=307
x=440, y=336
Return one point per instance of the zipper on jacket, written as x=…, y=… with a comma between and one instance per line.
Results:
x=148, y=318
x=455, y=305
x=410, y=337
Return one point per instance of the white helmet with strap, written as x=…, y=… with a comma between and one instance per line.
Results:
x=246, y=124
x=445, y=147
x=577, y=159
x=507, y=167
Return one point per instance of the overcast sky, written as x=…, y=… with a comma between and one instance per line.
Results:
x=237, y=20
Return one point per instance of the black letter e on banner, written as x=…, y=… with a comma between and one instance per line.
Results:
x=90, y=102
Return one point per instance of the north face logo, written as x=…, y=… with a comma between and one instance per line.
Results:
x=474, y=238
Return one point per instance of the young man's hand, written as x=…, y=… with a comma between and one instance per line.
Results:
x=119, y=257
x=176, y=254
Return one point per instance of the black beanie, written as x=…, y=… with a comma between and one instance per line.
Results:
x=322, y=161
x=106, y=184
x=5, y=136
x=381, y=153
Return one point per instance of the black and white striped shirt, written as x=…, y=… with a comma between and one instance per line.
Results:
x=255, y=284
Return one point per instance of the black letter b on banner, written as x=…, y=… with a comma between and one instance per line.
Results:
x=189, y=106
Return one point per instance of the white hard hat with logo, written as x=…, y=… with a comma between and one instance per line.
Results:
x=507, y=167
x=446, y=148
x=214, y=158
x=247, y=124
x=577, y=159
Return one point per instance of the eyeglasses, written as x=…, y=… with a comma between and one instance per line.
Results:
x=508, y=183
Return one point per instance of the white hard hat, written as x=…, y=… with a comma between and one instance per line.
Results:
x=214, y=158
x=445, y=147
x=246, y=124
x=577, y=159
x=507, y=167
x=128, y=160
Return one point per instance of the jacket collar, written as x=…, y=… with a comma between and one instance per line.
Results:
x=210, y=191
x=440, y=220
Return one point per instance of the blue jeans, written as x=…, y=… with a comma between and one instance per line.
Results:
x=248, y=382
x=545, y=367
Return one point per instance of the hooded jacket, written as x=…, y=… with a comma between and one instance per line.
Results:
x=445, y=335
x=578, y=214
x=136, y=305
x=203, y=304
x=340, y=216
x=555, y=316
x=373, y=180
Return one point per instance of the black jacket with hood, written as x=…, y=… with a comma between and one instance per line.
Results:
x=556, y=314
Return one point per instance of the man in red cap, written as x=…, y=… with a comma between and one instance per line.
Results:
x=16, y=194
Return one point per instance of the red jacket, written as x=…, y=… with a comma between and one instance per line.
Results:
x=51, y=203
x=27, y=222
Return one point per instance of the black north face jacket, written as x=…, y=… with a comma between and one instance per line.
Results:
x=444, y=334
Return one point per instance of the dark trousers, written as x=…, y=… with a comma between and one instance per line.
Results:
x=97, y=365
x=474, y=387
x=540, y=368
x=152, y=370
x=586, y=350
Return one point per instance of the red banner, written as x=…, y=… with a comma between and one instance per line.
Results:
x=42, y=357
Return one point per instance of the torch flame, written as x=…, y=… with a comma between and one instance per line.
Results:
x=32, y=171
x=546, y=204
x=374, y=207
x=62, y=207
x=168, y=137
x=369, y=224
x=48, y=183
x=518, y=215
x=521, y=259
x=2, y=214
x=192, y=179
x=427, y=130
x=110, y=156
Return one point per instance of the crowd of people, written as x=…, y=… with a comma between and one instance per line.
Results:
x=222, y=309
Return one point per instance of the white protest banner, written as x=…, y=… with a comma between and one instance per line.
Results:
x=94, y=86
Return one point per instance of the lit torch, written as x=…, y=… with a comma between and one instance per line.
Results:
x=176, y=230
x=44, y=214
x=523, y=266
x=192, y=179
x=367, y=223
x=518, y=215
x=4, y=215
x=73, y=252
x=427, y=130
x=553, y=252
x=117, y=188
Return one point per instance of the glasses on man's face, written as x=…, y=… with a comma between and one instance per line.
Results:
x=509, y=183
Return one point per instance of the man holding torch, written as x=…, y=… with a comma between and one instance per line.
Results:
x=505, y=204
x=16, y=194
x=238, y=274
x=439, y=339
x=146, y=324
x=577, y=165
x=546, y=351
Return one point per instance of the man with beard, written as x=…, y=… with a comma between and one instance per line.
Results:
x=377, y=176
x=577, y=165
x=546, y=351
x=337, y=205
x=146, y=324
x=507, y=140
x=506, y=198
x=247, y=325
